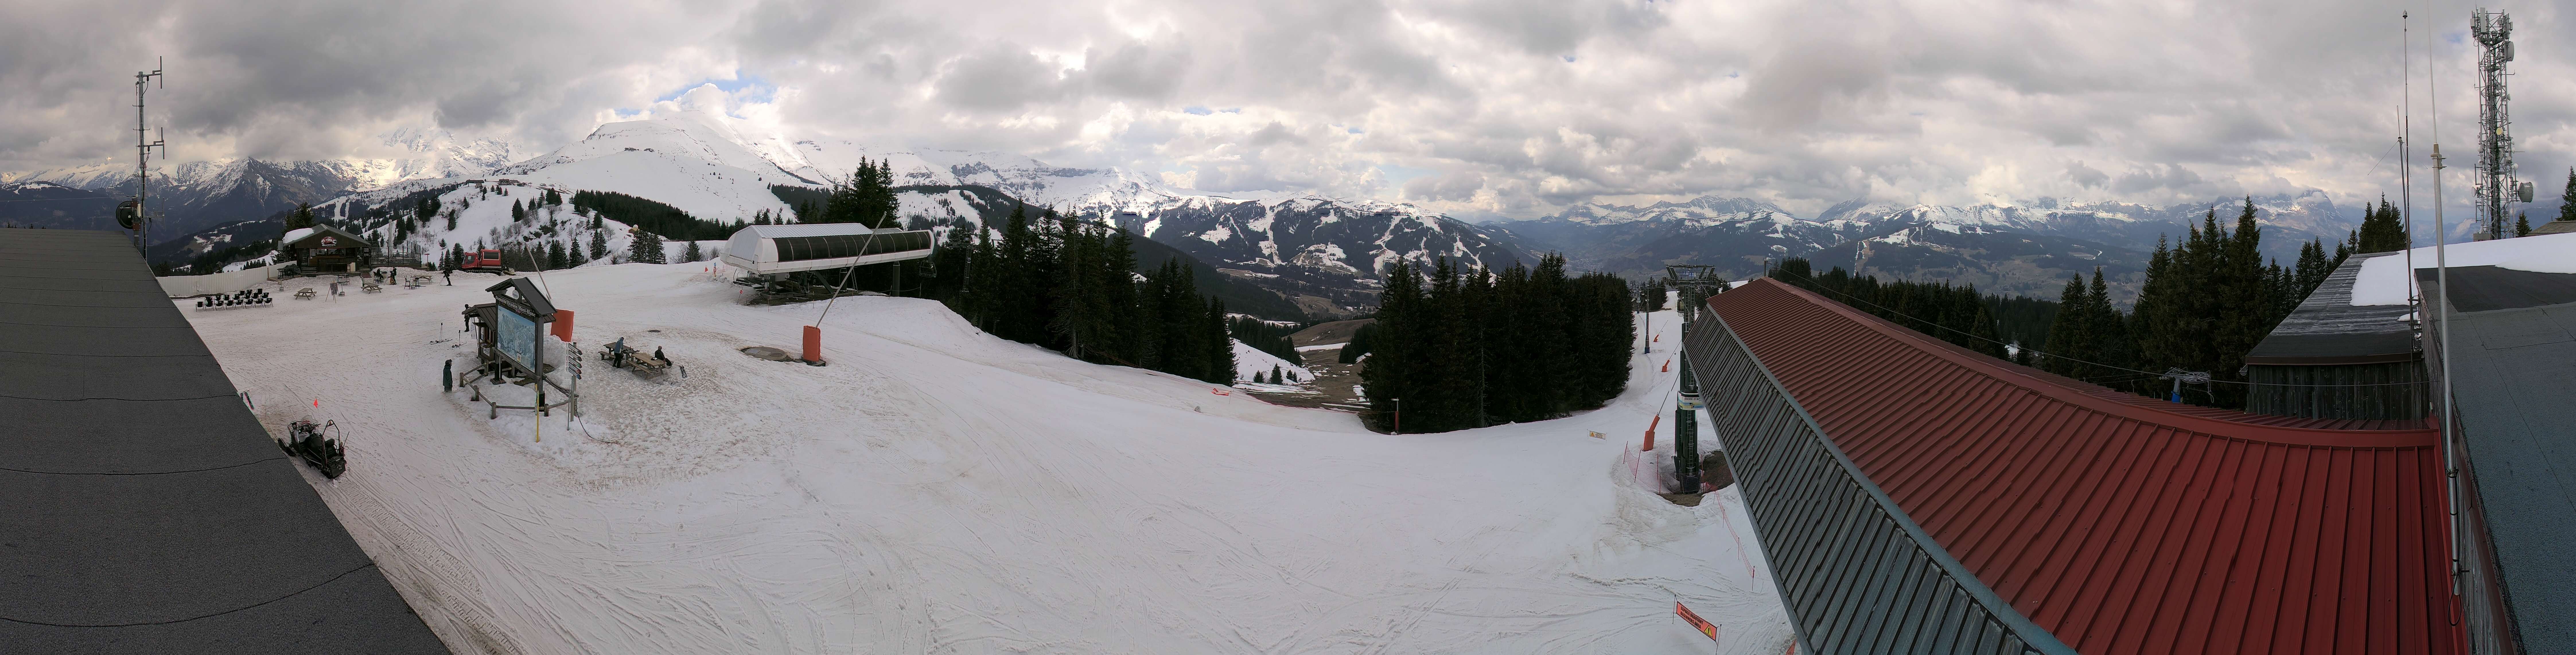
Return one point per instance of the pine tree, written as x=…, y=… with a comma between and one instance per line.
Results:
x=2067, y=338
x=1389, y=375
x=598, y=244
x=646, y=248
x=1219, y=357
x=302, y=218
x=555, y=257
x=693, y=255
x=2567, y=199
x=2522, y=225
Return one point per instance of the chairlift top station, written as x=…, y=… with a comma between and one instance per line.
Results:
x=773, y=250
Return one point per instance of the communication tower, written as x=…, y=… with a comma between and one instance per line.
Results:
x=2496, y=184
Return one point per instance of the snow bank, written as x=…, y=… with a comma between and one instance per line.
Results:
x=2384, y=279
x=1250, y=361
x=936, y=489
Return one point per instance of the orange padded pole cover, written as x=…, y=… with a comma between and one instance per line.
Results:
x=563, y=325
x=813, y=344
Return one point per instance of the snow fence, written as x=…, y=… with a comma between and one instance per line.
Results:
x=190, y=286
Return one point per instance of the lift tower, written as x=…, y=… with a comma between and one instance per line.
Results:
x=2496, y=184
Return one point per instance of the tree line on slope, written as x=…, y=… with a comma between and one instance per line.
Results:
x=1071, y=286
x=1958, y=314
x=2206, y=302
x=1467, y=347
x=1266, y=337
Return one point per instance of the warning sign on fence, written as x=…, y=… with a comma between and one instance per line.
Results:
x=1696, y=622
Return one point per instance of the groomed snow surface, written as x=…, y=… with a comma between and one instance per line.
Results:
x=935, y=489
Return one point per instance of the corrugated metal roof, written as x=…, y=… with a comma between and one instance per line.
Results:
x=2124, y=527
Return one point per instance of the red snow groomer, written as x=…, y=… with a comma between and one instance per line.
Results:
x=483, y=260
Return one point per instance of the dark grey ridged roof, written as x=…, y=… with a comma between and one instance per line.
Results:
x=142, y=508
x=2516, y=377
x=2328, y=329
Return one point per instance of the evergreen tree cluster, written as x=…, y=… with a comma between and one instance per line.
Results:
x=867, y=198
x=1361, y=339
x=645, y=248
x=1651, y=297
x=1954, y=313
x=1071, y=286
x=2383, y=229
x=1263, y=336
x=666, y=221
x=1464, y=347
x=2206, y=302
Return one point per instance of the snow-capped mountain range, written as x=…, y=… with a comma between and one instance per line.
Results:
x=197, y=195
x=2024, y=248
x=1323, y=254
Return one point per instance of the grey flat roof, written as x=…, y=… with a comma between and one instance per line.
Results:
x=2327, y=328
x=2516, y=368
x=142, y=508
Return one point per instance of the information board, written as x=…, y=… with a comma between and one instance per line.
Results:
x=517, y=339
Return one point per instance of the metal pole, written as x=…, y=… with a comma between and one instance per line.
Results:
x=2442, y=314
x=1686, y=430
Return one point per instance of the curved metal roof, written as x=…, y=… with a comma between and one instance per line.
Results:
x=2123, y=527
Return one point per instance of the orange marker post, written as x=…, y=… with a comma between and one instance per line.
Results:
x=1650, y=432
x=813, y=345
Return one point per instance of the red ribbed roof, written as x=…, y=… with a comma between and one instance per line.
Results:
x=2125, y=527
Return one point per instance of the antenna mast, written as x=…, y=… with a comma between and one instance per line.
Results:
x=2496, y=183
x=132, y=214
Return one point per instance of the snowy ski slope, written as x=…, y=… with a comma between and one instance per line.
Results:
x=938, y=490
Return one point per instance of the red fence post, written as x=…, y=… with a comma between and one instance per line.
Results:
x=813, y=345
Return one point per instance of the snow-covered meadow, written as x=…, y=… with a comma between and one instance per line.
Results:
x=935, y=489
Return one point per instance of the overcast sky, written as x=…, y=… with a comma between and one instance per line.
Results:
x=1509, y=107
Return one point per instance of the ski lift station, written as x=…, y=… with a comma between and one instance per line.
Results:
x=773, y=251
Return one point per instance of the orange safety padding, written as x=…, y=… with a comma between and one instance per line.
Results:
x=813, y=344
x=563, y=325
x=1650, y=432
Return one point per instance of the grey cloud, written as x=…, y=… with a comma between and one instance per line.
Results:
x=1805, y=103
x=997, y=78
x=1455, y=187
x=2085, y=176
x=1137, y=70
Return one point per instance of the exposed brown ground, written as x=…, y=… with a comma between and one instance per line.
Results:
x=1336, y=384
x=1324, y=333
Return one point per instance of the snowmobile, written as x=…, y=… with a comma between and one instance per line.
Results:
x=305, y=440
